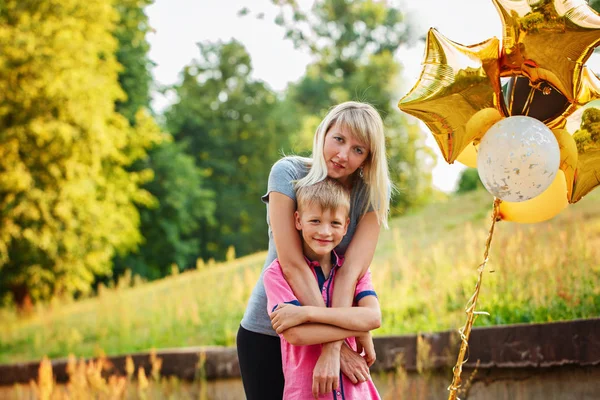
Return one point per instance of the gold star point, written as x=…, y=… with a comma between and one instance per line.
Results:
x=548, y=41
x=456, y=82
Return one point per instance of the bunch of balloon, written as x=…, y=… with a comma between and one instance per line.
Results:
x=509, y=108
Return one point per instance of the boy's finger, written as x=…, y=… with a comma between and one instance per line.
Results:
x=327, y=387
x=322, y=387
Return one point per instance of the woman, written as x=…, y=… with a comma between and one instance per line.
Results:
x=349, y=146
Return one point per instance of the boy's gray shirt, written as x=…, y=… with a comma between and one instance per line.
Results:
x=281, y=179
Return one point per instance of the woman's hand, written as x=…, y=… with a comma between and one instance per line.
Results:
x=353, y=365
x=287, y=316
x=326, y=375
x=365, y=343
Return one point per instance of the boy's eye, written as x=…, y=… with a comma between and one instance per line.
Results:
x=314, y=221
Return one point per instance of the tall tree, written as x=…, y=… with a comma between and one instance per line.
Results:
x=354, y=44
x=135, y=77
x=169, y=227
x=67, y=201
x=235, y=127
x=182, y=203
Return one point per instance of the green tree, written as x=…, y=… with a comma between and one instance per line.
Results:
x=236, y=128
x=169, y=228
x=595, y=4
x=354, y=44
x=182, y=204
x=135, y=77
x=67, y=200
x=588, y=134
x=469, y=181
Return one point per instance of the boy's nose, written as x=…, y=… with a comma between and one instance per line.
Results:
x=324, y=231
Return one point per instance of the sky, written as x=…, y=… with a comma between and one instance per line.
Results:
x=179, y=24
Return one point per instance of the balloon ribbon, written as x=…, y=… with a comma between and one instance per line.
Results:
x=465, y=331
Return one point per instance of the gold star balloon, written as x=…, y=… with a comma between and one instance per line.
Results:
x=548, y=40
x=456, y=82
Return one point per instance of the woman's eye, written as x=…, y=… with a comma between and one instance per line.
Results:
x=337, y=138
x=359, y=150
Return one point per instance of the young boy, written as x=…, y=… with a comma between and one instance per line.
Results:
x=322, y=219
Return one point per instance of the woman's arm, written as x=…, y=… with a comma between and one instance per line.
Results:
x=358, y=257
x=364, y=318
x=289, y=250
x=307, y=334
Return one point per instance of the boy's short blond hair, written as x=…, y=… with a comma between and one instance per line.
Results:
x=329, y=194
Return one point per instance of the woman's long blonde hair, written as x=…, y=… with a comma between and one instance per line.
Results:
x=365, y=125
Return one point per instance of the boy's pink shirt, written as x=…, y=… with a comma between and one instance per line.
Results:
x=299, y=361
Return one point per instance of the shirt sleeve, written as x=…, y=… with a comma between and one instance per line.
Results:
x=281, y=179
x=277, y=289
x=364, y=288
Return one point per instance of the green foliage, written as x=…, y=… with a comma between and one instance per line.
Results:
x=354, y=45
x=469, y=181
x=67, y=200
x=588, y=135
x=595, y=4
x=235, y=128
x=168, y=228
x=135, y=77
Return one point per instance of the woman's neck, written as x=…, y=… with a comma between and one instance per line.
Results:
x=348, y=181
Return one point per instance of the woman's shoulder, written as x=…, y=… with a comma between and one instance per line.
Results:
x=292, y=165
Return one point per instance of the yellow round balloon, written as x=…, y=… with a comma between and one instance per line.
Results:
x=468, y=156
x=541, y=208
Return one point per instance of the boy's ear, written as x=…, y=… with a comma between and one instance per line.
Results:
x=297, y=220
x=347, y=225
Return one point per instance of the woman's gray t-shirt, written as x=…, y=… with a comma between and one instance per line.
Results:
x=281, y=179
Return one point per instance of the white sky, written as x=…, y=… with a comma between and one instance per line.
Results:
x=180, y=24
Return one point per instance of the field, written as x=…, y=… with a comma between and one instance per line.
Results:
x=424, y=271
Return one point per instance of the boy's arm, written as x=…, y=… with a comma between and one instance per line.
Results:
x=364, y=318
x=308, y=334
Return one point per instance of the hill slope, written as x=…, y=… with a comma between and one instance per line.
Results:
x=424, y=272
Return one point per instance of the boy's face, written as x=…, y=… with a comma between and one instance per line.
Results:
x=322, y=230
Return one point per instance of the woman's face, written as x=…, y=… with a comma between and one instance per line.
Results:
x=343, y=153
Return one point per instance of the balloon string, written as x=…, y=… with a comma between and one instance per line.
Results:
x=529, y=100
x=465, y=331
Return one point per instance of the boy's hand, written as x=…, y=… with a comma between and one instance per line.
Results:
x=287, y=316
x=326, y=375
x=353, y=365
x=365, y=343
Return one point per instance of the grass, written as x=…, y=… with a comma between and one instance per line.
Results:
x=424, y=271
x=97, y=379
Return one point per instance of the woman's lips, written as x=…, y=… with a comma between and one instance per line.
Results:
x=336, y=165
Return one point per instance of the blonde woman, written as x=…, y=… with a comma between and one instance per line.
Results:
x=349, y=146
